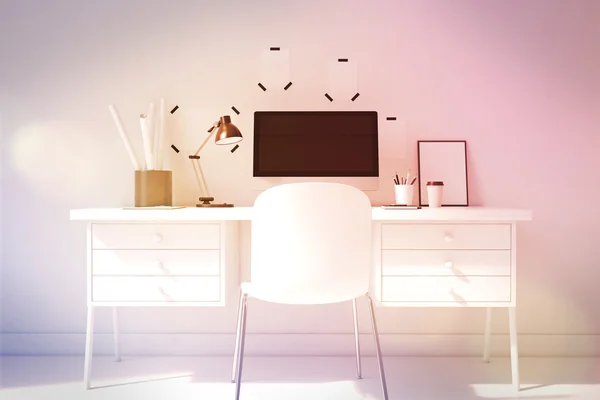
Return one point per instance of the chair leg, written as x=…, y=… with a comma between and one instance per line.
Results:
x=116, y=335
x=378, y=348
x=89, y=347
x=487, y=335
x=237, y=338
x=357, y=341
x=240, y=361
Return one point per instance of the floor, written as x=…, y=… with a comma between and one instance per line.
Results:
x=174, y=378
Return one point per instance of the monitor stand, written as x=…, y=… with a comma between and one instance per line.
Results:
x=362, y=183
x=206, y=202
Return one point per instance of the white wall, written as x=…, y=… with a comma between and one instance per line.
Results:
x=520, y=84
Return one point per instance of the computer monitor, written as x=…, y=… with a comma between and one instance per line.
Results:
x=316, y=146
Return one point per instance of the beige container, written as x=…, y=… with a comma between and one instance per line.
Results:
x=153, y=188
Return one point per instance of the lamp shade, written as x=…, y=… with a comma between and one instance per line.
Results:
x=227, y=133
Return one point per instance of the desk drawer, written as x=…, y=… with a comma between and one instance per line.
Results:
x=445, y=289
x=445, y=262
x=155, y=289
x=156, y=236
x=445, y=236
x=156, y=262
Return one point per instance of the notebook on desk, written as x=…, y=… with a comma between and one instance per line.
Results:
x=399, y=207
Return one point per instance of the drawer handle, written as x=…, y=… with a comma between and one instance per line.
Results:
x=157, y=238
x=448, y=237
x=162, y=267
x=165, y=294
x=449, y=264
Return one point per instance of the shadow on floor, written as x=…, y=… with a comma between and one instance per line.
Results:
x=424, y=378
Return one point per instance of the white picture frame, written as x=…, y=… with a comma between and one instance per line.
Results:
x=446, y=161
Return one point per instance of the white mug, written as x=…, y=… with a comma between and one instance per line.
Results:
x=404, y=194
x=435, y=190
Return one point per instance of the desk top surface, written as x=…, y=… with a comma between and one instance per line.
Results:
x=191, y=214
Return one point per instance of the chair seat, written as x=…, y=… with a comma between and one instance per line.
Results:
x=274, y=294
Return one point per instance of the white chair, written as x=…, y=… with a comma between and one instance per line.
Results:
x=310, y=244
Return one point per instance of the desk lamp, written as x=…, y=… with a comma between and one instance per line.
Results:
x=227, y=133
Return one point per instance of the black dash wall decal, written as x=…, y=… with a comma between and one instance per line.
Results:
x=260, y=85
x=329, y=97
x=193, y=157
x=235, y=110
x=274, y=48
x=287, y=86
x=391, y=118
x=174, y=109
x=175, y=148
x=237, y=146
x=355, y=96
x=342, y=60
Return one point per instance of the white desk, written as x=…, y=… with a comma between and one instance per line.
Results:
x=446, y=257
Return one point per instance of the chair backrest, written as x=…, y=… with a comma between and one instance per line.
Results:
x=311, y=243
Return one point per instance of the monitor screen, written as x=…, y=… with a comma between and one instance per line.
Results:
x=316, y=144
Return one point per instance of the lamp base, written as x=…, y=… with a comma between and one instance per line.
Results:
x=206, y=202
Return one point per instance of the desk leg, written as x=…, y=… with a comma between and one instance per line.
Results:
x=356, y=341
x=514, y=349
x=115, y=316
x=89, y=347
x=487, y=335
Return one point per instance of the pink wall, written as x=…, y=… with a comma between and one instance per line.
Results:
x=518, y=81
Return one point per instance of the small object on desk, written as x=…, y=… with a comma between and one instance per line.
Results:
x=152, y=127
x=400, y=207
x=124, y=137
x=160, y=135
x=206, y=202
x=404, y=194
x=435, y=191
x=153, y=188
x=147, y=126
x=226, y=133
x=154, y=208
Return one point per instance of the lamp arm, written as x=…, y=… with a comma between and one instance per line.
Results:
x=200, y=178
x=211, y=131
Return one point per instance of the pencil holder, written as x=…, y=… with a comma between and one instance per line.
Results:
x=153, y=188
x=403, y=194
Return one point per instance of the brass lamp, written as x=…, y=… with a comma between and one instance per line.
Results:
x=227, y=133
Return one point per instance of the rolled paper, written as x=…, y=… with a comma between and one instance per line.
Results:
x=146, y=123
x=161, y=134
x=124, y=137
